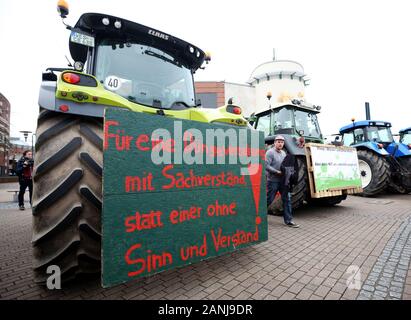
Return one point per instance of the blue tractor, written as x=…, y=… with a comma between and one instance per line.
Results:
x=384, y=164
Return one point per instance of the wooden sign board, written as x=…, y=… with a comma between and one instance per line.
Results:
x=332, y=170
x=158, y=217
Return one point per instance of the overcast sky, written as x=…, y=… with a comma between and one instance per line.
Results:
x=353, y=51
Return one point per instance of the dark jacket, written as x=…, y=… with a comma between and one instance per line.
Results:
x=273, y=160
x=25, y=168
x=289, y=170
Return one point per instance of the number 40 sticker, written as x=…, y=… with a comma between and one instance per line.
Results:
x=112, y=83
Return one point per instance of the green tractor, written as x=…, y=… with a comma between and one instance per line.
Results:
x=297, y=121
x=120, y=64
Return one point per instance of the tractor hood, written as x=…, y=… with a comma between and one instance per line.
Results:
x=115, y=28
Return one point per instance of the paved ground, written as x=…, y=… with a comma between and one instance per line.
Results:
x=358, y=250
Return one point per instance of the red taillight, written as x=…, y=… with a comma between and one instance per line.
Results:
x=71, y=78
x=233, y=109
x=64, y=108
x=237, y=110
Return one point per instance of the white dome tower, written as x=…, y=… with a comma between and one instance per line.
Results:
x=285, y=80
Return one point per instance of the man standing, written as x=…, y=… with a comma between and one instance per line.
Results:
x=24, y=171
x=273, y=159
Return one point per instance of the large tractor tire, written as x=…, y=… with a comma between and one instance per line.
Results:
x=374, y=173
x=67, y=195
x=299, y=193
x=406, y=164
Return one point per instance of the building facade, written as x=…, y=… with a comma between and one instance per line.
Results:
x=284, y=79
x=4, y=135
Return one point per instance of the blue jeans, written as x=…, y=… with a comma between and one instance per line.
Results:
x=272, y=188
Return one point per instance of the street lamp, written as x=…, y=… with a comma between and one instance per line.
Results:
x=26, y=134
x=32, y=144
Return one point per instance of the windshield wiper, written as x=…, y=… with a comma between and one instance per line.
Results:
x=156, y=103
x=176, y=103
x=153, y=54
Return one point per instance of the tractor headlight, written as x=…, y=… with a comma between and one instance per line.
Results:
x=117, y=24
x=78, y=65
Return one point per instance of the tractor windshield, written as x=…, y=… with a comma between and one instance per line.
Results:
x=289, y=121
x=379, y=134
x=307, y=122
x=406, y=137
x=144, y=75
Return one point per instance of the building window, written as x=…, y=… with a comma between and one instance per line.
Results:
x=208, y=100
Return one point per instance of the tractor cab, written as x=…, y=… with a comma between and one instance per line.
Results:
x=138, y=63
x=376, y=134
x=297, y=121
x=120, y=63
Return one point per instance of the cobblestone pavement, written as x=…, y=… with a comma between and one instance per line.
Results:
x=6, y=197
x=359, y=249
x=388, y=276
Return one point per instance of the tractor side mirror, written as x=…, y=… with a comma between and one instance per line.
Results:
x=252, y=119
x=198, y=102
x=337, y=138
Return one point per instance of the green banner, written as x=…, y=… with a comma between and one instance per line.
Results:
x=176, y=192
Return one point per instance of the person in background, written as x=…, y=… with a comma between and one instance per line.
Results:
x=24, y=171
x=273, y=159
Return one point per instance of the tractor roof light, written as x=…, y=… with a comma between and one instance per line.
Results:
x=105, y=21
x=207, y=57
x=117, y=24
x=269, y=95
x=62, y=8
x=71, y=78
